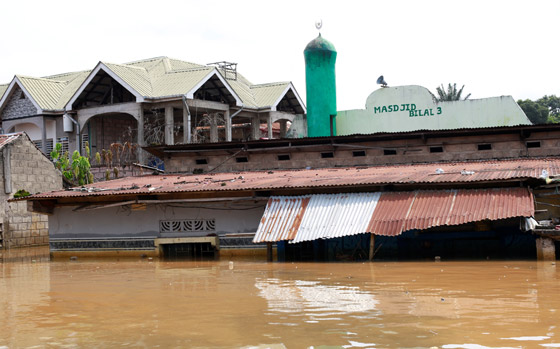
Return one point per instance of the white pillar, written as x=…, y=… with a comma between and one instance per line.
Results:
x=283, y=128
x=169, y=126
x=269, y=127
x=186, y=126
x=44, y=137
x=140, y=135
x=229, y=130
x=256, y=127
x=213, y=128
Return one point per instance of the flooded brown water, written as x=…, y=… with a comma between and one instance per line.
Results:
x=247, y=304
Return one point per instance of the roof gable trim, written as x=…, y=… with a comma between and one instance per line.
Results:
x=102, y=66
x=288, y=88
x=215, y=72
x=9, y=90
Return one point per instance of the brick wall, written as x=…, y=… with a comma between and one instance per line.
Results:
x=17, y=106
x=31, y=171
x=113, y=129
x=367, y=153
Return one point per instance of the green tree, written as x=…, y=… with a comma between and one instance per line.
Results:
x=451, y=94
x=552, y=103
x=537, y=111
x=77, y=171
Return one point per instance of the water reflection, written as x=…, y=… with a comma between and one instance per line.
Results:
x=215, y=304
x=314, y=299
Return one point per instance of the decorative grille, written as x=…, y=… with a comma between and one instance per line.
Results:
x=187, y=226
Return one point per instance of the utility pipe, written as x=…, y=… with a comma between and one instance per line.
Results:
x=78, y=145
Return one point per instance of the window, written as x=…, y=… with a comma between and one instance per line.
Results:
x=201, y=161
x=359, y=153
x=533, y=144
x=64, y=142
x=242, y=159
x=389, y=152
x=486, y=146
x=22, y=95
x=39, y=144
x=85, y=138
x=283, y=157
x=437, y=149
x=327, y=155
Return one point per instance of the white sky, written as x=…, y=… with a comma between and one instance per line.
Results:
x=493, y=47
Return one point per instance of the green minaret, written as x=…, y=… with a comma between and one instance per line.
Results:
x=320, y=58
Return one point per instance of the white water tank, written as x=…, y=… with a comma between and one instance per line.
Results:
x=68, y=125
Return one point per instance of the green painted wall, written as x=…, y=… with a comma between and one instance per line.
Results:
x=412, y=108
x=320, y=58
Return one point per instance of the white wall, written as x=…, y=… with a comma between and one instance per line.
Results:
x=32, y=130
x=411, y=108
x=121, y=222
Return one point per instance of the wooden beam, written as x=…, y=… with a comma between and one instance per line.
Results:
x=371, y=246
x=269, y=252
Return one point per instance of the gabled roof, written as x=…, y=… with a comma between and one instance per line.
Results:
x=49, y=93
x=153, y=78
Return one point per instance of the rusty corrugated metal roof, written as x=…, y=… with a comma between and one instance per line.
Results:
x=281, y=218
x=438, y=173
x=389, y=213
x=8, y=138
x=324, y=216
x=398, y=212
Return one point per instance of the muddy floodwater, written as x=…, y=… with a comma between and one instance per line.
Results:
x=254, y=304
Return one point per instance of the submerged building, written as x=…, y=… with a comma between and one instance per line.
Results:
x=407, y=177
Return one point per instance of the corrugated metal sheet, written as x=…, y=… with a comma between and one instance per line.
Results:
x=155, y=77
x=178, y=83
x=136, y=77
x=281, y=218
x=44, y=91
x=485, y=171
x=333, y=215
x=267, y=94
x=325, y=216
x=392, y=208
x=398, y=212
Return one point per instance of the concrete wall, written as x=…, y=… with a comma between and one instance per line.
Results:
x=31, y=171
x=18, y=106
x=122, y=222
x=464, y=148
